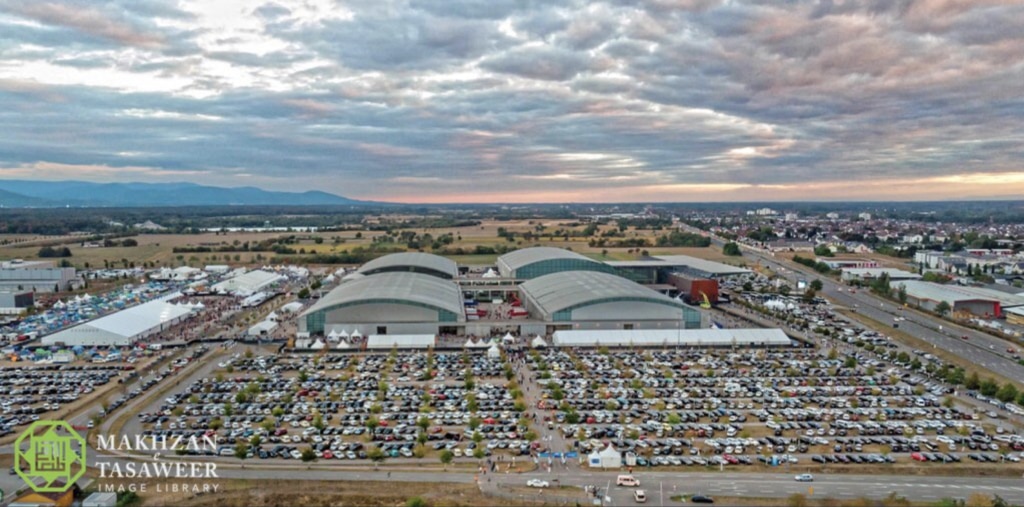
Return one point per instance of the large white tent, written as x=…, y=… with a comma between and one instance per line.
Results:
x=402, y=341
x=248, y=283
x=538, y=343
x=292, y=307
x=672, y=337
x=262, y=328
x=124, y=327
x=494, y=352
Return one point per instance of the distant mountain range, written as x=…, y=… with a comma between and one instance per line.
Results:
x=52, y=194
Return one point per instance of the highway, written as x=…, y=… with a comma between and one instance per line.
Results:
x=980, y=348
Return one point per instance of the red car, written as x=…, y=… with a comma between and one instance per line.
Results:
x=963, y=337
x=917, y=457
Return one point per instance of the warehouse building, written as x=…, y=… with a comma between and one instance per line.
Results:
x=596, y=300
x=125, y=327
x=406, y=303
x=659, y=269
x=13, y=303
x=963, y=301
x=35, y=276
x=415, y=262
x=530, y=263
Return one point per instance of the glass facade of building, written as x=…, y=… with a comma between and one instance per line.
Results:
x=546, y=267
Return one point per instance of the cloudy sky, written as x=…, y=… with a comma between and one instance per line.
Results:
x=520, y=100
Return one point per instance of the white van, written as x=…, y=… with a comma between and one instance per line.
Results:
x=627, y=480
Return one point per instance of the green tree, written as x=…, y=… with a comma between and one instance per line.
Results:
x=732, y=249
x=1008, y=393
x=989, y=387
x=972, y=382
x=308, y=454
x=817, y=285
x=377, y=456
x=241, y=449
x=446, y=458
x=942, y=308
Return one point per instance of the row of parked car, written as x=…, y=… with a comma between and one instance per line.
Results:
x=329, y=402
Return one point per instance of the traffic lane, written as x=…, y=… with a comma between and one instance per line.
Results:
x=834, y=290
x=955, y=345
x=989, y=357
x=783, y=485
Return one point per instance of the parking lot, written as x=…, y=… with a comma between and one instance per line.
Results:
x=759, y=407
x=350, y=406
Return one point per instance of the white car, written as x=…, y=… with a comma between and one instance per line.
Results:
x=639, y=496
x=537, y=483
x=805, y=478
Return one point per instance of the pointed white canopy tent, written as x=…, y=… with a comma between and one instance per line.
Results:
x=469, y=344
x=508, y=338
x=332, y=336
x=343, y=344
x=538, y=343
x=356, y=334
x=318, y=345
x=494, y=352
x=482, y=344
x=343, y=334
x=606, y=458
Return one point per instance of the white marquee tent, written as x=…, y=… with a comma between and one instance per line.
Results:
x=672, y=337
x=402, y=341
x=262, y=328
x=124, y=327
x=538, y=343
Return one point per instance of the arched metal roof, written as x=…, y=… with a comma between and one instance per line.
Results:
x=526, y=256
x=573, y=289
x=412, y=261
x=414, y=288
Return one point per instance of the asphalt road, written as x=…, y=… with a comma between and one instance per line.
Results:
x=980, y=348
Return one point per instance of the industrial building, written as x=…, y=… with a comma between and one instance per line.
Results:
x=13, y=303
x=414, y=262
x=124, y=327
x=596, y=300
x=538, y=261
x=867, y=275
x=962, y=300
x=388, y=303
x=422, y=294
x=36, y=276
x=657, y=269
x=696, y=290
